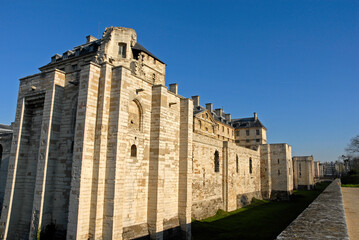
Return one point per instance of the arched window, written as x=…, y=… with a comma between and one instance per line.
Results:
x=237, y=167
x=133, y=151
x=250, y=165
x=134, y=115
x=216, y=161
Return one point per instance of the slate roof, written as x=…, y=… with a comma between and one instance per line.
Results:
x=247, y=123
x=140, y=48
x=250, y=122
x=222, y=119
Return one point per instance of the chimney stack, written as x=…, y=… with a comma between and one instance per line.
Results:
x=219, y=112
x=228, y=117
x=90, y=38
x=209, y=107
x=174, y=88
x=195, y=100
x=255, y=116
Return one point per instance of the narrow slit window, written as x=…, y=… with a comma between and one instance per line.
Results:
x=216, y=161
x=250, y=165
x=237, y=164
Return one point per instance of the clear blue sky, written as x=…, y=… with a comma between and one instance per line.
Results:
x=295, y=63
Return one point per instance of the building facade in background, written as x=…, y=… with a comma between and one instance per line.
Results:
x=304, y=172
x=102, y=149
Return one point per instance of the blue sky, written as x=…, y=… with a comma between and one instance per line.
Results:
x=295, y=63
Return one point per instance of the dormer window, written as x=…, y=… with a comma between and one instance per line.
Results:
x=122, y=50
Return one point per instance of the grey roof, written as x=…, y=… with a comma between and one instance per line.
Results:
x=139, y=47
x=222, y=119
x=236, y=123
x=247, y=123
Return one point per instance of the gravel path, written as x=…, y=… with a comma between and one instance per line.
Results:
x=351, y=207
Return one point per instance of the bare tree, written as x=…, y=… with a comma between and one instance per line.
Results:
x=353, y=147
x=353, y=153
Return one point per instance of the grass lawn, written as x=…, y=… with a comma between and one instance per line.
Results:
x=260, y=220
x=350, y=185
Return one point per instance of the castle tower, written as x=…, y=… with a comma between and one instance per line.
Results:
x=98, y=142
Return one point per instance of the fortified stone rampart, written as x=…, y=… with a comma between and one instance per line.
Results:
x=304, y=172
x=323, y=219
x=5, y=147
x=103, y=150
x=281, y=170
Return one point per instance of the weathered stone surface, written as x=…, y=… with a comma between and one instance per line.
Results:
x=103, y=150
x=304, y=172
x=323, y=219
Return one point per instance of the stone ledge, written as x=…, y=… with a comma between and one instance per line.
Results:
x=324, y=218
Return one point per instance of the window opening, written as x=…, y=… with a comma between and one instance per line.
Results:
x=216, y=161
x=133, y=151
x=122, y=50
x=250, y=165
x=237, y=167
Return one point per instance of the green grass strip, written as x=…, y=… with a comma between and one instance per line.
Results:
x=260, y=220
x=350, y=185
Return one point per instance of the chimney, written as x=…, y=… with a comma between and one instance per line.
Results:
x=255, y=116
x=174, y=88
x=219, y=112
x=195, y=100
x=90, y=38
x=209, y=107
x=228, y=117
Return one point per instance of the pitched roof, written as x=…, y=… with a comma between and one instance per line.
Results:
x=222, y=119
x=140, y=48
x=247, y=123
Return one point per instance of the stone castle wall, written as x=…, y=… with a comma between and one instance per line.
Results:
x=227, y=189
x=304, y=172
x=5, y=142
x=105, y=150
x=244, y=184
x=207, y=190
x=281, y=170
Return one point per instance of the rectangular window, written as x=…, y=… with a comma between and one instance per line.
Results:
x=257, y=140
x=247, y=140
x=237, y=133
x=122, y=50
x=257, y=132
x=247, y=132
x=74, y=67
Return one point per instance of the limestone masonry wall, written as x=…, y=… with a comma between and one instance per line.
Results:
x=103, y=150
